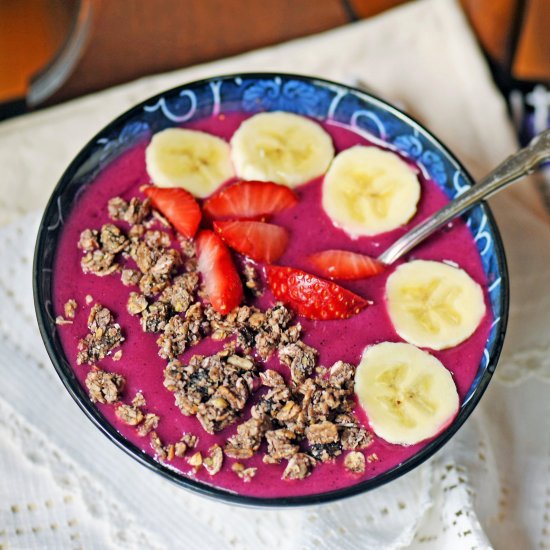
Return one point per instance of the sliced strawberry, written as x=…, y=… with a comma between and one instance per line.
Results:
x=178, y=206
x=249, y=200
x=311, y=296
x=263, y=242
x=341, y=264
x=222, y=284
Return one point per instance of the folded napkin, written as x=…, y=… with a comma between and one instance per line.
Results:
x=68, y=486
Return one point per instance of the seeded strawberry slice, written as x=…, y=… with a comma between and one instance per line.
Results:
x=249, y=200
x=263, y=242
x=178, y=206
x=222, y=284
x=311, y=296
x=341, y=264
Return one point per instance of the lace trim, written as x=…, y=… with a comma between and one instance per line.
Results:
x=124, y=529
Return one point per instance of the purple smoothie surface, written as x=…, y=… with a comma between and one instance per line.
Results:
x=310, y=230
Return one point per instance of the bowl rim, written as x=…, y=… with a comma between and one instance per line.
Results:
x=82, y=399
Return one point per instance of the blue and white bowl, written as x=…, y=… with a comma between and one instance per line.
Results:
x=320, y=99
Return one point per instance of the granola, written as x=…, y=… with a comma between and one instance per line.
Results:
x=150, y=423
x=129, y=414
x=355, y=462
x=301, y=422
x=133, y=213
x=70, y=308
x=299, y=466
x=213, y=462
x=104, y=387
x=215, y=388
x=246, y=474
x=105, y=335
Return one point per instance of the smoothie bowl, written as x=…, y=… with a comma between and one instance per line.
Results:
x=207, y=288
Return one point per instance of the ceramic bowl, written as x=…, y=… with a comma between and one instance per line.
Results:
x=316, y=98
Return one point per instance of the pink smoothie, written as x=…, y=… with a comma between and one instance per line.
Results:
x=311, y=230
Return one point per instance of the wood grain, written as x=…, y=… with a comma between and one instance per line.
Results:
x=135, y=38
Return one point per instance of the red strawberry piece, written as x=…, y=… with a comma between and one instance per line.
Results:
x=341, y=264
x=249, y=200
x=263, y=242
x=222, y=284
x=311, y=296
x=178, y=206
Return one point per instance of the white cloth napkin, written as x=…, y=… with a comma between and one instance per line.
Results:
x=64, y=485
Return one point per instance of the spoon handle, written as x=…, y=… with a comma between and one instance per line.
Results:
x=516, y=166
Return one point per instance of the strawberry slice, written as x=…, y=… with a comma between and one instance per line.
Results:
x=178, y=206
x=341, y=264
x=222, y=284
x=249, y=200
x=263, y=242
x=311, y=296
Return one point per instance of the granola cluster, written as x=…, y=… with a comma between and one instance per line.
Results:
x=305, y=420
x=215, y=389
x=104, y=336
x=302, y=423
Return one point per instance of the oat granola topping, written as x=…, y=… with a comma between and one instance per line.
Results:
x=188, y=441
x=130, y=277
x=300, y=358
x=252, y=280
x=104, y=387
x=149, y=424
x=70, y=309
x=88, y=240
x=246, y=474
x=299, y=466
x=303, y=421
x=129, y=414
x=213, y=462
x=112, y=239
x=136, y=303
x=99, y=263
x=133, y=213
x=195, y=460
x=139, y=400
x=214, y=388
x=355, y=462
x=104, y=336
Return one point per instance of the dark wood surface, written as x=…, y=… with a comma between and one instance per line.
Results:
x=129, y=39
x=135, y=38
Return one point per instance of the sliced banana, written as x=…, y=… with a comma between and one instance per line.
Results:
x=407, y=394
x=196, y=161
x=433, y=305
x=368, y=191
x=281, y=147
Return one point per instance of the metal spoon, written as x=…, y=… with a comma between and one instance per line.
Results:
x=516, y=166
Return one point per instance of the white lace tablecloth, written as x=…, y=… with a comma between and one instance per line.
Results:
x=64, y=485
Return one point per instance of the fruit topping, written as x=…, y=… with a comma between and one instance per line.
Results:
x=341, y=264
x=368, y=191
x=311, y=296
x=407, y=394
x=433, y=304
x=178, y=207
x=263, y=242
x=249, y=200
x=281, y=147
x=222, y=284
x=196, y=161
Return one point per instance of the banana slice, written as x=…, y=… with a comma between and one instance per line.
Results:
x=196, y=161
x=368, y=191
x=433, y=305
x=281, y=147
x=407, y=394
